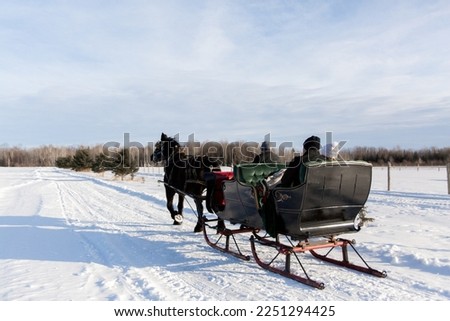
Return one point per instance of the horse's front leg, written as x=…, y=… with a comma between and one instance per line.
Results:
x=177, y=218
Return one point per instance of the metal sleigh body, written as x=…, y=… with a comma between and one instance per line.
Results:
x=308, y=218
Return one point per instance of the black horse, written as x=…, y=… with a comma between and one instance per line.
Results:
x=183, y=175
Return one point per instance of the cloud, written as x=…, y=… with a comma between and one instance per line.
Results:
x=224, y=70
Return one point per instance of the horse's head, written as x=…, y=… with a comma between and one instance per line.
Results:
x=165, y=148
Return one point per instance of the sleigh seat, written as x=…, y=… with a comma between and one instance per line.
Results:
x=326, y=204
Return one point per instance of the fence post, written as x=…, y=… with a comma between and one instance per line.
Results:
x=389, y=176
x=448, y=178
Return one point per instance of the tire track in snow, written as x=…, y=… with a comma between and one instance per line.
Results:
x=88, y=212
x=151, y=277
x=153, y=201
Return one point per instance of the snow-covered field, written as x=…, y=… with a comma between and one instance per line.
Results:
x=82, y=236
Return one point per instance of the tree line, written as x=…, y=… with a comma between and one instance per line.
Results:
x=80, y=158
x=120, y=163
x=432, y=156
x=91, y=157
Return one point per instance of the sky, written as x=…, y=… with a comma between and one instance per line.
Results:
x=372, y=73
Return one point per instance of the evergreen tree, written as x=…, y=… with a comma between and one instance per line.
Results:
x=125, y=164
x=103, y=163
x=82, y=160
x=64, y=162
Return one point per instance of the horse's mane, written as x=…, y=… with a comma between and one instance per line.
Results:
x=178, y=152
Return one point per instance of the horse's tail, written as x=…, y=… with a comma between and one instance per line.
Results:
x=210, y=180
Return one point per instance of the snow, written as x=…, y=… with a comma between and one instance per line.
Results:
x=70, y=236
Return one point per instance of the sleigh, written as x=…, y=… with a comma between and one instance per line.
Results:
x=290, y=221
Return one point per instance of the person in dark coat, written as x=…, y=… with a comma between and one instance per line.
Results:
x=266, y=155
x=311, y=152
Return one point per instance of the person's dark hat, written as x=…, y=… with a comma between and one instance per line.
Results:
x=312, y=142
